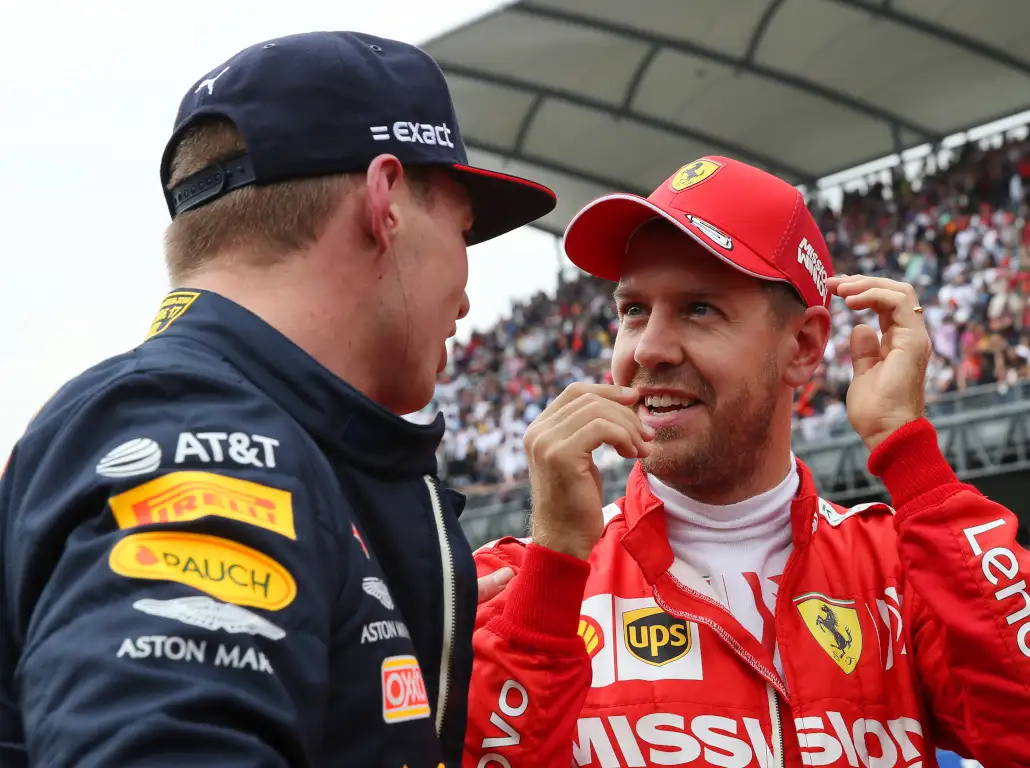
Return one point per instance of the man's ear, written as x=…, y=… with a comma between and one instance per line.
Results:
x=381, y=214
x=811, y=332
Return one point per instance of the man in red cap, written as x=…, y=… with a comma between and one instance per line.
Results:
x=721, y=613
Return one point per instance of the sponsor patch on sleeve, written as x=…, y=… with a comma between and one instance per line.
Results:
x=183, y=496
x=214, y=615
x=404, y=691
x=222, y=568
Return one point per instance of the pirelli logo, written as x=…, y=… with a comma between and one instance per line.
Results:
x=184, y=496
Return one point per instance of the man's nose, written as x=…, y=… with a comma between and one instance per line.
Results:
x=661, y=343
x=463, y=308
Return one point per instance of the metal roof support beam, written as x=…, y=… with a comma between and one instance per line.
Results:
x=931, y=29
x=527, y=122
x=638, y=76
x=899, y=145
x=676, y=129
x=555, y=166
x=693, y=49
x=760, y=29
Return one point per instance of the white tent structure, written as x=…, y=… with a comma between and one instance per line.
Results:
x=590, y=96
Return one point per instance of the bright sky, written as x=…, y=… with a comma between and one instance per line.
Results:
x=88, y=93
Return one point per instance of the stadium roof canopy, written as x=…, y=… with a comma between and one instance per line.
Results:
x=591, y=96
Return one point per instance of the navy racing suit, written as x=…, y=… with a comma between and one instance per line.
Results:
x=214, y=551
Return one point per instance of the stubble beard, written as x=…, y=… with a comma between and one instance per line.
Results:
x=724, y=455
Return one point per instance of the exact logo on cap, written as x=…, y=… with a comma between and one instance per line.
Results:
x=694, y=173
x=414, y=133
x=404, y=690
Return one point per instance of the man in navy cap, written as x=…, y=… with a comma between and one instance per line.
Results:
x=226, y=547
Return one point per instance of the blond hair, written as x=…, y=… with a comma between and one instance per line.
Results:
x=267, y=222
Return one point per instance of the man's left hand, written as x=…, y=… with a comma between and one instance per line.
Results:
x=888, y=388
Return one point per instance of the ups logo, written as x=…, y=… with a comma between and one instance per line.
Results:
x=655, y=637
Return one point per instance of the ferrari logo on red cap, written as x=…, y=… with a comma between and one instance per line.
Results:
x=694, y=173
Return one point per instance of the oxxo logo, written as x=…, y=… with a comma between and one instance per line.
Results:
x=404, y=691
x=655, y=637
x=414, y=133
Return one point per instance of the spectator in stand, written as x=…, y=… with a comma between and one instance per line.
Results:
x=961, y=236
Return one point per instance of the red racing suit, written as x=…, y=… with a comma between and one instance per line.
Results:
x=897, y=632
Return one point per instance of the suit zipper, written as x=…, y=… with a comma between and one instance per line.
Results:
x=777, y=727
x=769, y=675
x=449, y=600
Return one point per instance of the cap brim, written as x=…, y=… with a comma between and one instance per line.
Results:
x=597, y=238
x=501, y=202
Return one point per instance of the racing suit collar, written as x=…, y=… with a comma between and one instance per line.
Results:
x=344, y=421
x=647, y=539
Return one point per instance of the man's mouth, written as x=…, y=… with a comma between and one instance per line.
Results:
x=656, y=404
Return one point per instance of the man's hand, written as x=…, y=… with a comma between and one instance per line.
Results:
x=565, y=483
x=888, y=389
x=491, y=585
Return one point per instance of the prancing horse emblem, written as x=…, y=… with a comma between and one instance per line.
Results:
x=835, y=625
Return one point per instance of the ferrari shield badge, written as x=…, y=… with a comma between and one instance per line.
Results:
x=693, y=173
x=835, y=626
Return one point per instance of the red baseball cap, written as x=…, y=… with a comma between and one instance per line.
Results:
x=750, y=219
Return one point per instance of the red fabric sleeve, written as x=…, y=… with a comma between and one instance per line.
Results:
x=969, y=599
x=531, y=672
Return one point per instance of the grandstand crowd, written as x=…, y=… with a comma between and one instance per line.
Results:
x=961, y=236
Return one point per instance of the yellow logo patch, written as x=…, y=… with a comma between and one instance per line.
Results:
x=655, y=637
x=694, y=173
x=222, y=568
x=174, y=304
x=835, y=626
x=182, y=496
x=593, y=637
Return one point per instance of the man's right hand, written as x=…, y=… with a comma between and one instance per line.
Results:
x=566, y=484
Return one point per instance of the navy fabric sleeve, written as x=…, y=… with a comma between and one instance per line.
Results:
x=168, y=580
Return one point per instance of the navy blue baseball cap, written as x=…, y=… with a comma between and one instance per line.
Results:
x=323, y=103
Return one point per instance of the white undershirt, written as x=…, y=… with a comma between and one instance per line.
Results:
x=723, y=551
